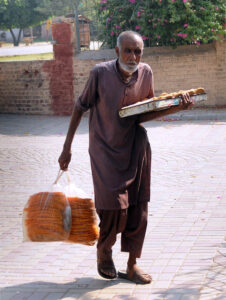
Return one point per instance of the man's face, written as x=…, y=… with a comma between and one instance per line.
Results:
x=130, y=53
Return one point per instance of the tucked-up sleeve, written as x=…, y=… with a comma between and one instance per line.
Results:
x=89, y=95
x=150, y=78
x=151, y=92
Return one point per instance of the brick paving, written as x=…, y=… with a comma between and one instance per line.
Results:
x=185, y=248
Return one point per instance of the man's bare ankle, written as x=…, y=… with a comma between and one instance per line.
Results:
x=104, y=255
x=131, y=261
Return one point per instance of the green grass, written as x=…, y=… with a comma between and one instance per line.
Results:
x=40, y=56
x=4, y=44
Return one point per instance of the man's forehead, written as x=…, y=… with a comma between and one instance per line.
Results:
x=132, y=41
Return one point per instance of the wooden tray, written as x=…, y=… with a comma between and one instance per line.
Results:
x=154, y=105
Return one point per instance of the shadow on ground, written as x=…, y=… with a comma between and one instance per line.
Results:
x=74, y=290
x=37, y=125
x=24, y=125
x=88, y=288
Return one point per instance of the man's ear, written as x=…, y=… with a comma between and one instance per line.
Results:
x=117, y=50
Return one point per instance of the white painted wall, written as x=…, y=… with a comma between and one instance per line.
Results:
x=8, y=36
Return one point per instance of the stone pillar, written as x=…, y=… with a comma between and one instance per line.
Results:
x=61, y=69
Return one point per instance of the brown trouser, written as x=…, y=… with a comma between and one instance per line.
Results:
x=130, y=222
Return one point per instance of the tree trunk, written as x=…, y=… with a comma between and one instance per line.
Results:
x=13, y=35
x=16, y=41
x=19, y=35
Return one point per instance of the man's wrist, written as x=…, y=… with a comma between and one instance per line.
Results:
x=67, y=147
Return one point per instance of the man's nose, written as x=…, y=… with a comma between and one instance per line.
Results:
x=133, y=55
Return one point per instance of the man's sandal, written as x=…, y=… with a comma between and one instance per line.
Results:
x=106, y=266
x=136, y=275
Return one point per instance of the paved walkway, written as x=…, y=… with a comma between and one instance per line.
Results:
x=30, y=49
x=36, y=48
x=184, y=250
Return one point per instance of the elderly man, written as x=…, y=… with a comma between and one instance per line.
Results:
x=119, y=151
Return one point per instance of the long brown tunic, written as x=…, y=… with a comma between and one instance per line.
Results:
x=119, y=149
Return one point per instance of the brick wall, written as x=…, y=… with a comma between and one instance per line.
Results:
x=60, y=70
x=50, y=87
x=24, y=88
x=190, y=67
x=185, y=67
x=41, y=87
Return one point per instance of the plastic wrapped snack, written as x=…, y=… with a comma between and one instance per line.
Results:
x=84, y=229
x=47, y=216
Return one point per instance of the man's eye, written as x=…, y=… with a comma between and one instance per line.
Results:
x=137, y=51
x=127, y=50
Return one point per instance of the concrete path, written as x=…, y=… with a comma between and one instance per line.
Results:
x=37, y=48
x=185, y=247
x=30, y=49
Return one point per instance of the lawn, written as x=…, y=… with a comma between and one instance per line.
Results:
x=40, y=56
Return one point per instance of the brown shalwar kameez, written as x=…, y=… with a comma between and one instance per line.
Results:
x=131, y=223
x=119, y=149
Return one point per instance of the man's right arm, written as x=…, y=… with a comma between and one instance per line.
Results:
x=85, y=101
x=65, y=156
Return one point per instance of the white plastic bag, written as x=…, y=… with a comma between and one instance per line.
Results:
x=47, y=215
x=84, y=229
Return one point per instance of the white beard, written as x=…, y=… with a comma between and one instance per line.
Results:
x=128, y=68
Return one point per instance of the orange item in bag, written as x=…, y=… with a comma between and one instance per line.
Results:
x=84, y=229
x=47, y=217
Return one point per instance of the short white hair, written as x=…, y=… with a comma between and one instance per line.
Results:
x=126, y=34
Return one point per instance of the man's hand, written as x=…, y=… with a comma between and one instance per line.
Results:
x=64, y=159
x=186, y=102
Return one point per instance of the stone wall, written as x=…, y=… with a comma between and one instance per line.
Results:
x=50, y=87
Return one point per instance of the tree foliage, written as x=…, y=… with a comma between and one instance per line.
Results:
x=56, y=7
x=63, y=7
x=163, y=22
x=20, y=14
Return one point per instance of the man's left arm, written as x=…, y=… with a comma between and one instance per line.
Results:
x=185, y=103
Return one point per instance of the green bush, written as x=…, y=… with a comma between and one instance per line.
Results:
x=163, y=22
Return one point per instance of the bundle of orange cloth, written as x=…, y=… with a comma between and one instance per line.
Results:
x=84, y=228
x=47, y=217
x=51, y=216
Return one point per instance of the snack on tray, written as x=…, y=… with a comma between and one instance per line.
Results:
x=84, y=229
x=200, y=90
x=191, y=92
x=46, y=217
